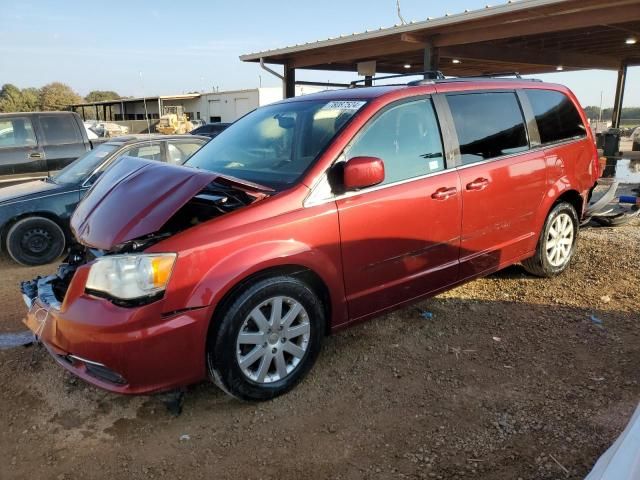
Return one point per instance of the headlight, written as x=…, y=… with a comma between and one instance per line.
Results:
x=128, y=277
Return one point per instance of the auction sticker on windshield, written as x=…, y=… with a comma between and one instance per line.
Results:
x=345, y=105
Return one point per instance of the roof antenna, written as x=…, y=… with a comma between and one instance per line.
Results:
x=402, y=20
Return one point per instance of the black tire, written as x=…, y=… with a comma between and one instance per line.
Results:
x=635, y=147
x=222, y=362
x=539, y=265
x=35, y=241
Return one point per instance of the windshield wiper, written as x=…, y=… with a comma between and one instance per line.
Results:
x=49, y=179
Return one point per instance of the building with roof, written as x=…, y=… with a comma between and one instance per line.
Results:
x=526, y=36
x=212, y=107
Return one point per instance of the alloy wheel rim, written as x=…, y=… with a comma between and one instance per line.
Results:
x=560, y=240
x=273, y=339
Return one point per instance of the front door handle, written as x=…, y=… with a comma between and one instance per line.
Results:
x=478, y=184
x=35, y=155
x=444, y=193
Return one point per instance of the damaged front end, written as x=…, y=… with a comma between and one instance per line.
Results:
x=136, y=204
x=51, y=290
x=105, y=294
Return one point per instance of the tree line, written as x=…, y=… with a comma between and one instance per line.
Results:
x=629, y=113
x=51, y=97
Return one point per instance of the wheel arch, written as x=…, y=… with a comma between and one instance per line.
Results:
x=572, y=197
x=306, y=274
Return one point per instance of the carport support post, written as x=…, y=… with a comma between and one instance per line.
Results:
x=97, y=116
x=617, y=106
x=83, y=117
x=289, y=82
x=430, y=59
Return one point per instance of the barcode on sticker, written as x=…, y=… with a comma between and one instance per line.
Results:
x=344, y=105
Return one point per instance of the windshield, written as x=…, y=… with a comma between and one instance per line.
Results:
x=274, y=145
x=79, y=170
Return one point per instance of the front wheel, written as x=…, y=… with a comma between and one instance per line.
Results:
x=267, y=339
x=557, y=242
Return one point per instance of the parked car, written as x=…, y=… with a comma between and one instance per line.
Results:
x=211, y=130
x=34, y=216
x=197, y=122
x=307, y=216
x=35, y=144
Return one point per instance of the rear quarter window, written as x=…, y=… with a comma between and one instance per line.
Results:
x=556, y=116
x=59, y=129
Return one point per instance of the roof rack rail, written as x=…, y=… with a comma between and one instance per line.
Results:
x=501, y=74
x=429, y=76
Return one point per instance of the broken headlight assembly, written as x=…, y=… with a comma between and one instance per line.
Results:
x=130, y=280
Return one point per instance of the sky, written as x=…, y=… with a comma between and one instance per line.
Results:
x=170, y=47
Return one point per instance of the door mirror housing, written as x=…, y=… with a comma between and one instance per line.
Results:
x=362, y=172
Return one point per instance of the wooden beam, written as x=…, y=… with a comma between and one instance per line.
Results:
x=499, y=53
x=289, y=82
x=411, y=38
x=548, y=24
x=355, y=53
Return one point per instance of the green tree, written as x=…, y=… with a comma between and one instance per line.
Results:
x=31, y=99
x=57, y=96
x=101, y=96
x=12, y=99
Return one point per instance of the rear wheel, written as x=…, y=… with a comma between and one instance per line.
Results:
x=267, y=339
x=557, y=242
x=35, y=241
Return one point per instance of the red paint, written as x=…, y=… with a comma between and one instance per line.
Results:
x=361, y=172
x=374, y=250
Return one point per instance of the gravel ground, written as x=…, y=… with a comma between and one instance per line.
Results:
x=510, y=378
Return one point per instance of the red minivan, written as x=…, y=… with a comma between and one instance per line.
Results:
x=306, y=216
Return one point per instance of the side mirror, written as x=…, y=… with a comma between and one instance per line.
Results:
x=362, y=172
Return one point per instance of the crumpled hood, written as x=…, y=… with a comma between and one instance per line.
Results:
x=135, y=198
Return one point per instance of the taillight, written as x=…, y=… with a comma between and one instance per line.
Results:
x=602, y=163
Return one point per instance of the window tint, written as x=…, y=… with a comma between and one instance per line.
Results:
x=16, y=132
x=489, y=125
x=556, y=116
x=59, y=129
x=407, y=139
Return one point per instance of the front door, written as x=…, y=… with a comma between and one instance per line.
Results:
x=503, y=181
x=400, y=239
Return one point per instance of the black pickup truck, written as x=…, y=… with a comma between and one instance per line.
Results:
x=35, y=144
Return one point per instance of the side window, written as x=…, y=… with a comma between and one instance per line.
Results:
x=59, y=129
x=16, y=132
x=178, y=152
x=556, y=116
x=147, y=150
x=407, y=139
x=488, y=125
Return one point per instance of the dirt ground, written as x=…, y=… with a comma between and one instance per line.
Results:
x=511, y=378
